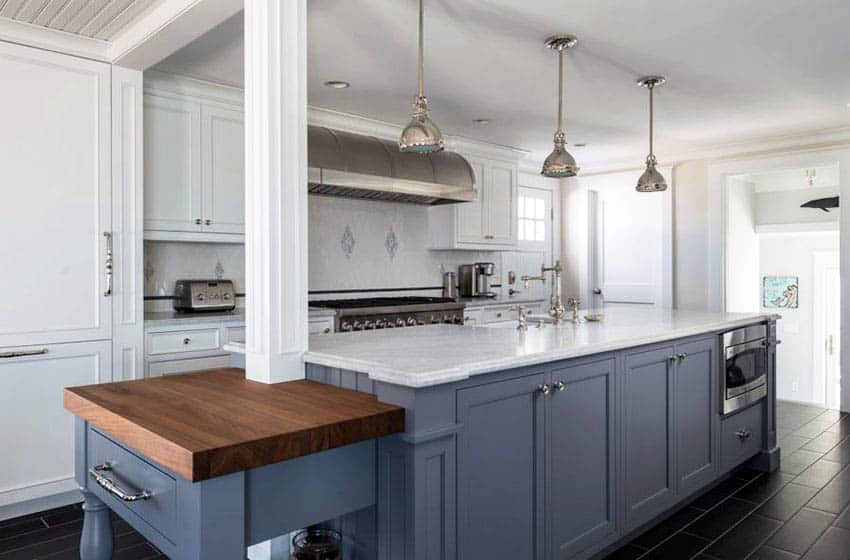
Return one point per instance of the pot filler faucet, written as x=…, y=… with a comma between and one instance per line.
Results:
x=556, y=307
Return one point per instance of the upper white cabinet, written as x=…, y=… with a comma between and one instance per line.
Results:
x=55, y=157
x=489, y=222
x=194, y=166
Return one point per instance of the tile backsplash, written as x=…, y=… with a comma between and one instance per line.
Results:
x=354, y=244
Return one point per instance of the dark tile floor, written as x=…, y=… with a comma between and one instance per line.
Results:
x=55, y=535
x=800, y=512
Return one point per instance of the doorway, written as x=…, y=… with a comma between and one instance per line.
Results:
x=827, y=326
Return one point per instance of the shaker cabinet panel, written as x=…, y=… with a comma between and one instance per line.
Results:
x=223, y=157
x=580, y=481
x=648, y=477
x=501, y=204
x=470, y=215
x=499, y=467
x=697, y=420
x=172, y=164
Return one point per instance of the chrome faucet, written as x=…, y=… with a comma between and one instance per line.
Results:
x=574, y=303
x=522, y=318
x=556, y=307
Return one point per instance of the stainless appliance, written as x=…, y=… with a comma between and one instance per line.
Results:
x=450, y=285
x=744, y=378
x=475, y=279
x=204, y=295
x=483, y=272
x=357, y=166
x=392, y=312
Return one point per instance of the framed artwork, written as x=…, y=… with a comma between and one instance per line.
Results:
x=780, y=292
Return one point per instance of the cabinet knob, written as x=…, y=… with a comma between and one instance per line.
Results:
x=560, y=386
x=208, y=222
x=682, y=356
x=743, y=434
x=186, y=341
x=327, y=330
x=544, y=389
x=198, y=221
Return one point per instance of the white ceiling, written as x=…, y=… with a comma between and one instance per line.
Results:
x=738, y=71
x=98, y=19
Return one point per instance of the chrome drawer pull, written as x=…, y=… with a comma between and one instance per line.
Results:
x=23, y=353
x=112, y=487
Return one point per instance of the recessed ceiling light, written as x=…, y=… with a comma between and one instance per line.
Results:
x=337, y=84
x=481, y=121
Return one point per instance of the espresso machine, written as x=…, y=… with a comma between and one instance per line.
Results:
x=475, y=280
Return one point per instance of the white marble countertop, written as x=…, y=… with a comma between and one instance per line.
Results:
x=437, y=354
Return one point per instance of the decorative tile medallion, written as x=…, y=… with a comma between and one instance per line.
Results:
x=391, y=243
x=347, y=242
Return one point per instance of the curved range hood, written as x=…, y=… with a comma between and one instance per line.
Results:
x=357, y=166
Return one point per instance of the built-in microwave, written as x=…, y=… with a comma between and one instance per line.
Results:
x=744, y=375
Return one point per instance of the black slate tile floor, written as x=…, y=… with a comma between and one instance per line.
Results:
x=800, y=515
x=801, y=512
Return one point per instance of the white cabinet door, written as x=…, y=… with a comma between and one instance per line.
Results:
x=470, y=215
x=500, y=204
x=38, y=433
x=172, y=164
x=223, y=156
x=55, y=162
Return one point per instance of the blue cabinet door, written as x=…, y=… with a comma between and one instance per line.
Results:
x=500, y=470
x=580, y=478
x=697, y=414
x=649, y=481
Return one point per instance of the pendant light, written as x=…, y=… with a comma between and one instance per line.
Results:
x=421, y=135
x=651, y=180
x=560, y=163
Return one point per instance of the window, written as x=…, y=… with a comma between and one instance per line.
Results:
x=532, y=218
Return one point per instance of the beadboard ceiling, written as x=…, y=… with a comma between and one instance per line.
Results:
x=96, y=19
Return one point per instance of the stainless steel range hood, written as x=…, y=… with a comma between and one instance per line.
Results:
x=357, y=166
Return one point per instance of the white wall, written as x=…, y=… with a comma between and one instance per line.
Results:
x=690, y=235
x=792, y=254
x=742, y=248
x=783, y=207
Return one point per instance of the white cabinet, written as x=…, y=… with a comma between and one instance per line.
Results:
x=321, y=325
x=194, y=168
x=38, y=433
x=487, y=223
x=55, y=159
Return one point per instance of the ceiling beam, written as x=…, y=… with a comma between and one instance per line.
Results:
x=167, y=28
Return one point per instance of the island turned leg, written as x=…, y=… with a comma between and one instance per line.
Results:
x=96, y=542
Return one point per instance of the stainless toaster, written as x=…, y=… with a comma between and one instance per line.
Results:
x=204, y=295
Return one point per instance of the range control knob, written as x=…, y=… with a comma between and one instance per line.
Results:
x=399, y=322
x=345, y=326
x=380, y=324
x=447, y=319
x=357, y=326
x=369, y=325
x=458, y=320
x=411, y=322
x=434, y=319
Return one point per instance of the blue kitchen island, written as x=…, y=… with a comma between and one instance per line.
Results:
x=553, y=443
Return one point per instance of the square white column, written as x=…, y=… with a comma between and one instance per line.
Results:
x=276, y=189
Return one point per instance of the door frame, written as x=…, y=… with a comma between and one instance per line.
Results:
x=822, y=261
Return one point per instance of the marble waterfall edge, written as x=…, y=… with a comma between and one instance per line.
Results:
x=436, y=354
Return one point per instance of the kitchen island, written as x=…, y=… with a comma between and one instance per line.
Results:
x=553, y=443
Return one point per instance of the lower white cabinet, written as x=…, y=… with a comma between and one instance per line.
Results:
x=321, y=325
x=170, y=367
x=37, y=438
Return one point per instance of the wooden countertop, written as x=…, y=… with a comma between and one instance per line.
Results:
x=212, y=423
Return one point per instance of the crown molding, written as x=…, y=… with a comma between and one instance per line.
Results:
x=164, y=82
x=54, y=40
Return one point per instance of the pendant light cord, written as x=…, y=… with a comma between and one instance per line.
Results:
x=421, y=48
x=651, y=118
x=560, y=90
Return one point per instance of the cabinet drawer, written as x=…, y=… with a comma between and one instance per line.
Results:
x=741, y=436
x=234, y=334
x=183, y=341
x=472, y=317
x=133, y=474
x=495, y=314
x=172, y=367
x=321, y=326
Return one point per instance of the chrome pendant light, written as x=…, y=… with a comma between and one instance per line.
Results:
x=560, y=163
x=421, y=135
x=651, y=180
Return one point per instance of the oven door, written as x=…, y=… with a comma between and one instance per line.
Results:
x=746, y=367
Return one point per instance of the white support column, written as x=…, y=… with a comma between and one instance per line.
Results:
x=276, y=189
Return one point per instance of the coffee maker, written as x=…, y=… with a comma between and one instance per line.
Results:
x=475, y=280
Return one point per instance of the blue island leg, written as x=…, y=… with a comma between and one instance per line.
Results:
x=96, y=541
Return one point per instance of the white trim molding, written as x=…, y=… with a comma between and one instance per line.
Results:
x=276, y=189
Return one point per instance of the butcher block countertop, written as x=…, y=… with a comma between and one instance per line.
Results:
x=212, y=423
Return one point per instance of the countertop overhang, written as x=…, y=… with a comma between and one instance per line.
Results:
x=436, y=354
x=208, y=424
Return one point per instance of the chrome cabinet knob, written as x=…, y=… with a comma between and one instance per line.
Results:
x=682, y=356
x=559, y=386
x=198, y=221
x=186, y=341
x=327, y=330
x=544, y=389
x=743, y=434
x=208, y=222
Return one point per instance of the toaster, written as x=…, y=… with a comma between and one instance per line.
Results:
x=204, y=295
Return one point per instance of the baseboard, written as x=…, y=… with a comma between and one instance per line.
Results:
x=768, y=460
x=40, y=504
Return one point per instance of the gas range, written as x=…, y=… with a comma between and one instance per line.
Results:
x=392, y=312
